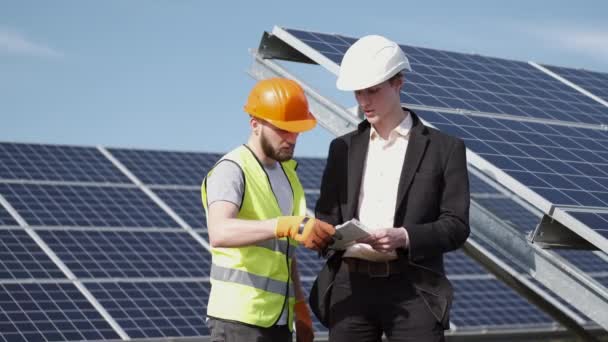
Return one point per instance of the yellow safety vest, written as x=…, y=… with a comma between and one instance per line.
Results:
x=252, y=284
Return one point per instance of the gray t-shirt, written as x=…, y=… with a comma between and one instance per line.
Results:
x=226, y=183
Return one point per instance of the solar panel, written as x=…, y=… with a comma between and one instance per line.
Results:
x=309, y=262
x=129, y=254
x=6, y=219
x=187, y=204
x=57, y=163
x=22, y=258
x=49, y=312
x=155, y=309
x=599, y=221
x=167, y=168
x=457, y=263
x=310, y=171
x=311, y=200
x=565, y=166
x=484, y=302
x=592, y=81
x=476, y=83
x=84, y=206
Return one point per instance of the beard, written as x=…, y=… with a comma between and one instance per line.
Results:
x=278, y=154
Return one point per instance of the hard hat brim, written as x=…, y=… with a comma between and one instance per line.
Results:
x=297, y=126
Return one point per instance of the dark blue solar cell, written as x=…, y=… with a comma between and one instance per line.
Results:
x=479, y=146
x=554, y=196
x=167, y=168
x=57, y=163
x=594, y=82
x=602, y=280
x=483, y=134
x=433, y=117
x=502, y=162
x=6, y=219
x=559, y=181
x=584, y=198
x=156, y=309
x=309, y=263
x=22, y=258
x=85, y=206
x=488, y=302
x=129, y=254
x=536, y=152
x=458, y=263
x=515, y=84
x=311, y=200
x=310, y=171
x=187, y=204
x=599, y=221
x=531, y=165
x=49, y=312
x=507, y=149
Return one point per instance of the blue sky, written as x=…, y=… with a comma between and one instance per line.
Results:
x=171, y=74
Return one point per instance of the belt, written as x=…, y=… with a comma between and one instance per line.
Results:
x=375, y=269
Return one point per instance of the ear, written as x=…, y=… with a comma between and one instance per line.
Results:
x=397, y=82
x=256, y=126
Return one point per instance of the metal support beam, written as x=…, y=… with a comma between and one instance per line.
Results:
x=558, y=275
x=522, y=285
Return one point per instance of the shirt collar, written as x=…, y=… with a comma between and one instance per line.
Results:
x=402, y=129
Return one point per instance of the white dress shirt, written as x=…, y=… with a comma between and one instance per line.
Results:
x=378, y=193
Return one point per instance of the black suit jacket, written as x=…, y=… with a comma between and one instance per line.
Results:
x=432, y=201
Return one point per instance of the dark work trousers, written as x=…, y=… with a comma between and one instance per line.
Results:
x=363, y=308
x=226, y=331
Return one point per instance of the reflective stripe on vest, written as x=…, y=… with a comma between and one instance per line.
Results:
x=252, y=284
x=244, y=278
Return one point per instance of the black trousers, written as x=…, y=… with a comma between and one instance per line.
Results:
x=363, y=308
x=227, y=331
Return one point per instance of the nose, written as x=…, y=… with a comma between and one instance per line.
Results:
x=362, y=98
x=291, y=137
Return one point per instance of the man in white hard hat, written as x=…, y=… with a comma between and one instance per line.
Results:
x=407, y=183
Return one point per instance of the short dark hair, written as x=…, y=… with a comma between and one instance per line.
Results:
x=396, y=76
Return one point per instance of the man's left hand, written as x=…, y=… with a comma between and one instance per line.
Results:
x=387, y=239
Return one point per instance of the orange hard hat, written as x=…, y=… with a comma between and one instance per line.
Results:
x=281, y=102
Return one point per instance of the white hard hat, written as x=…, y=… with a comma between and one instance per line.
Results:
x=371, y=60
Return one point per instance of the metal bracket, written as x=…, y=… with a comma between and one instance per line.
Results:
x=552, y=234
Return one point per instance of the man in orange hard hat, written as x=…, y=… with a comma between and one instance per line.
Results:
x=256, y=216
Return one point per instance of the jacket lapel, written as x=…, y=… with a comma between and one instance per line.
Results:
x=357, y=154
x=415, y=150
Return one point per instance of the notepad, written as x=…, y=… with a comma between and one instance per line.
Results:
x=347, y=233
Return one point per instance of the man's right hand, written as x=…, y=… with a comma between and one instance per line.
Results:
x=310, y=232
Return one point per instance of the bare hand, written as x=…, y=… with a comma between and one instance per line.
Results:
x=387, y=239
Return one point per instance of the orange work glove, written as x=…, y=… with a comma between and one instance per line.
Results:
x=312, y=233
x=304, y=331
